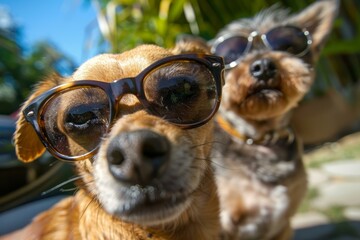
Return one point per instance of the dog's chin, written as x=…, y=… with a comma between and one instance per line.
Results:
x=152, y=212
x=265, y=94
x=262, y=104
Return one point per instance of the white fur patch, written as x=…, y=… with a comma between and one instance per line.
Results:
x=182, y=176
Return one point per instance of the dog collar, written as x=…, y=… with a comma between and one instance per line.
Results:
x=270, y=137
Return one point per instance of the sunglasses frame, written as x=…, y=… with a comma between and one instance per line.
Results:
x=116, y=89
x=250, y=38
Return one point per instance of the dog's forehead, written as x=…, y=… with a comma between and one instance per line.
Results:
x=110, y=67
x=261, y=22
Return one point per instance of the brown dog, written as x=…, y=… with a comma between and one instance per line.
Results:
x=270, y=66
x=141, y=145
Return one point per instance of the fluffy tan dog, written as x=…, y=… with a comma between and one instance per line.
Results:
x=270, y=63
x=139, y=137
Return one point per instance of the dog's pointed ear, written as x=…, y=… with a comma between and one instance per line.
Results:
x=28, y=146
x=318, y=19
x=190, y=44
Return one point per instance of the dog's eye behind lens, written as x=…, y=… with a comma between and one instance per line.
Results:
x=181, y=93
x=231, y=49
x=83, y=117
x=73, y=117
x=288, y=39
x=177, y=90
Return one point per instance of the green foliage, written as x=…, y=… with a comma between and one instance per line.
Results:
x=127, y=23
x=19, y=72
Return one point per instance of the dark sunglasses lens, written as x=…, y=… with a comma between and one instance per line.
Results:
x=231, y=49
x=288, y=39
x=75, y=120
x=182, y=93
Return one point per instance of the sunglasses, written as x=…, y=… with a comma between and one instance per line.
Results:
x=289, y=39
x=71, y=119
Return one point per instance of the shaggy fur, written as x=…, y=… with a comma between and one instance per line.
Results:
x=258, y=159
x=92, y=213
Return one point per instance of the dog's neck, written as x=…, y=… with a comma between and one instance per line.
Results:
x=200, y=221
x=254, y=131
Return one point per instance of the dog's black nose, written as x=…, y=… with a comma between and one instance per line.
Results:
x=137, y=157
x=263, y=69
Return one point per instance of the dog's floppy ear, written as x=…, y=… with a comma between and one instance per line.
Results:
x=190, y=44
x=318, y=19
x=27, y=144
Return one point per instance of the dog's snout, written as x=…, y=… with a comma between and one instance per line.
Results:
x=263, y=69
x=137, y=157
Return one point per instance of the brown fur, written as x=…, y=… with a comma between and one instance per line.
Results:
x=83, y=216
x=260, y=175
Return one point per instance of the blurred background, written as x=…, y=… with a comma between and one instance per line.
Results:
x=60, y=35
x=40, y=37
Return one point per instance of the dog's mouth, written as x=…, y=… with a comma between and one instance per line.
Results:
x=150, y=206
x=264, y=89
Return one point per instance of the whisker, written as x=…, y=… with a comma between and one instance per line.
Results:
x=223, y=166
x=206, y=160
x=52, y=163
x=209, y=158
x=55, y=161
x=201, y=144
x=60, y=185
x=206, y=143
x=218, y=142
x=92, y=200
x=217, y=164
x=68, y=189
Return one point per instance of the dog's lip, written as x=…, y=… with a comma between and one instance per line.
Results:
x=145, y=205
x=262, y=89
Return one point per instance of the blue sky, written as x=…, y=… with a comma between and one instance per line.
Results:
x=62, y=22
